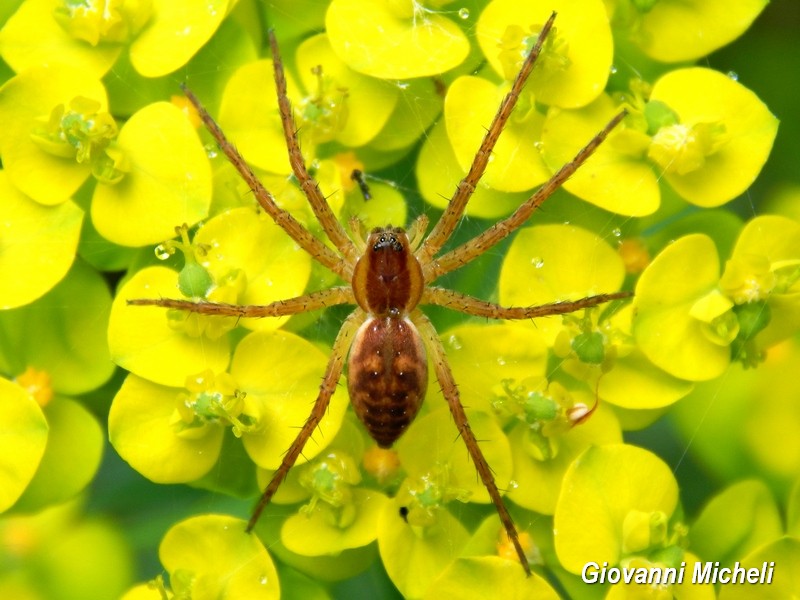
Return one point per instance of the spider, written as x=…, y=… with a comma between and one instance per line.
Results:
x=389, y=273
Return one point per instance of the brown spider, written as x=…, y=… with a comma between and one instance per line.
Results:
x=389, y=273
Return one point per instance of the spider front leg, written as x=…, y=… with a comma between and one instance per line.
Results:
x=450, y=392
x=329, y=381
x=280, y=308
x=480, y=308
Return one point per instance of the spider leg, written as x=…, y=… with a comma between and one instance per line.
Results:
x=330, y=224
x=319, y=251
x=281, y=308
x=468, y=251
x=455, y=208
x=480, y=308
x=450, y=391
x=331, y=378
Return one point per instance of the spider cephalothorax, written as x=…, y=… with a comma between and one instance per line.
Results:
x=387, y=340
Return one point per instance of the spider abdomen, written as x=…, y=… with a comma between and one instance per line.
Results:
x=387, y=376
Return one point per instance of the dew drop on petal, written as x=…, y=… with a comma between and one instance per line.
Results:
x=463, y=13
x=454, y=342
x=501, y=361
x=263, y=580
x=163, y=252
x=733, y=75
x=537, y=262
x=616, y=232
x=512, y=485
x=613, y=69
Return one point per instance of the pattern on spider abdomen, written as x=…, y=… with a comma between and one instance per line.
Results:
x=387, y=376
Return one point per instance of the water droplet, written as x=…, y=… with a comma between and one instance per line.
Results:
x=539, y=145
x=211, y=150
x=616, y=232
x=403, y=85
x=501, y=361
x=613, y=69
x=537, y=262
x=454, y=342
x=733, y=75
x=164, y=252
x=463, y=13
x=263, y=580
x=512, y=485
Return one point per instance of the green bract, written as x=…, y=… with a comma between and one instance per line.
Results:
x=576, y=59
x=43, y=30
x=722, y=139
x=736, y=522
x=620, y=493
x=167, y=180
x=784, y=551
x=24, y=436
x=679, y=317
x=615, y=177
x=39, y=244
x=437, y=169
x=394, y=40
x=75, y=357
x=680, y=30
x=536, y=271
x=471, y=103
x=211, y=557
x=488, y=577
x=141, y=339
x=175, y=32
x=49, y=116
x=335, y=95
